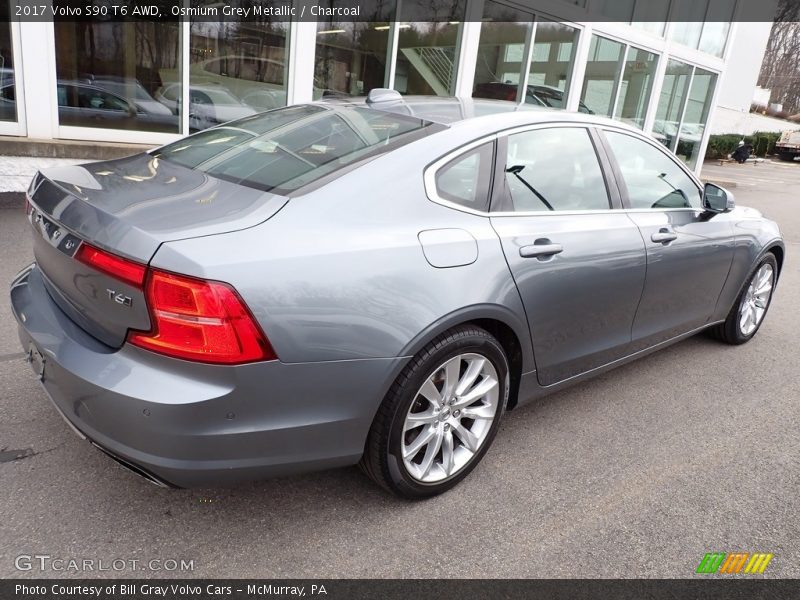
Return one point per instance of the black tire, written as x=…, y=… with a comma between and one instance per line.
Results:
x=382, y=460
x=786, y=156
x=730, y=331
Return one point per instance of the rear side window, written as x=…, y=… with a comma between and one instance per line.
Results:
x=466, y=180
x=653, y=179
x=285, y=149
x=553, y=169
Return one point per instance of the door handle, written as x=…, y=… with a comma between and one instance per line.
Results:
x=664, y=236
x=540, y=249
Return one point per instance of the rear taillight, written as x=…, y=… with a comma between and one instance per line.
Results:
x=120, y=268
x=192, y=319
x=200, y=320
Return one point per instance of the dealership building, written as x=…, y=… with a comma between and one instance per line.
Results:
x=661, y=66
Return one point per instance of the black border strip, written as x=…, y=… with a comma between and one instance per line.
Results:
x=711, y=588
x=340, y=11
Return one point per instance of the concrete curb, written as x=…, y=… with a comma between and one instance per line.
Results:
x=12, y=200
x=726, y=183
x=19, y=146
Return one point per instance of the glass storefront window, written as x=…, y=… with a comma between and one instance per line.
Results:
x=695, y=117
x=635, y=87
x=683, y=109
x=687, y=33
x=603, y=70
x=714, y=37
x=501, y=52
x=670, y=104
x=426, y=58
x=654, y=27
x=111, y=74
x=351, y=58
x=554, y=48
x=8, y=105
x=646, y=15
x=615, y=10
x=426, y=51
x=236, y=70
x=503, y=57
x=703, y=24
x=650, y=16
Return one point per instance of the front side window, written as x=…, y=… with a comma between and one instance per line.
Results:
x=466, y=180
x=653, y=179
x=553, y=169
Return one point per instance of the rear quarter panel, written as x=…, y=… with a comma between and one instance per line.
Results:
x=339, y=273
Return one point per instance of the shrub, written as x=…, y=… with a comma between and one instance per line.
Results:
x=722, y=145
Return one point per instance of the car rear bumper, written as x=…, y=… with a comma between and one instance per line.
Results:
x=193, y=425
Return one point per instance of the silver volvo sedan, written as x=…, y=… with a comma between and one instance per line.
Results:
x=369, y=281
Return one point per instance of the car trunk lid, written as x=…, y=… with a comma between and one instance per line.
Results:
x=127, y=207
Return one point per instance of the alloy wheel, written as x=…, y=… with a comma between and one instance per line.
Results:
x=756, y=299
x=450, y=418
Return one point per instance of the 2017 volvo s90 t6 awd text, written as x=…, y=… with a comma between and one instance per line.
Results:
x=369, y=281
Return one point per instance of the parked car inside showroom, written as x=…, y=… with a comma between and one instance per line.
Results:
x=209, y=104
x=368, y=282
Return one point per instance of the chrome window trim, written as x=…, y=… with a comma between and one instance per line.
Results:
x=661, y=148
x=429, y=174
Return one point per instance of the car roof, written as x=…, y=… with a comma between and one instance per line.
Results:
x=466, y=112
x=445, y=110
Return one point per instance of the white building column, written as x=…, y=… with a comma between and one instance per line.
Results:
x=579, y=67
x=655, y=92
x=37, y=59
x=302, y=48
x=468, y=49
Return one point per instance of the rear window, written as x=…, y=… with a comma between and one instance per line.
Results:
x=285, y=149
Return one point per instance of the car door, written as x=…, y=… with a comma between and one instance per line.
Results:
x=689, y=252
x=579, y=263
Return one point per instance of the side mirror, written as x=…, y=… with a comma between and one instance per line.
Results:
x=717, y=199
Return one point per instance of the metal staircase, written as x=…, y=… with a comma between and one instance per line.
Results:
x=435, y=65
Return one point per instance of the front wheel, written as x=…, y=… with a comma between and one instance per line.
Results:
x=440, y=416
x=751, y=306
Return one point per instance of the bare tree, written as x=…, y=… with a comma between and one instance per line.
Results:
x=780, y=70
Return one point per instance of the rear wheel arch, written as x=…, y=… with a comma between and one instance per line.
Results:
x=778, y=251
x=731, y=330
x=512, y=335
x=510, y=342
x=389, y=450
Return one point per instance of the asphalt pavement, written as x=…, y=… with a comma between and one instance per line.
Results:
x=637, y=473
